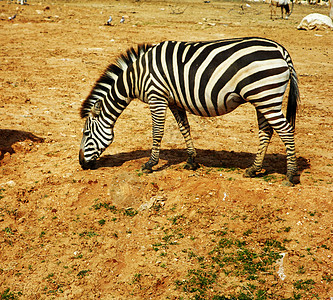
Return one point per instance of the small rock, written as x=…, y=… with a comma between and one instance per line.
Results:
x=11, y=183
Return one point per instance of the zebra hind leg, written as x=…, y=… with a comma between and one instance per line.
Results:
x=286, y=132
x=265, y=134
x=184, y=127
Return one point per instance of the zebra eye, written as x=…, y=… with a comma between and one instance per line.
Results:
x=86, y=133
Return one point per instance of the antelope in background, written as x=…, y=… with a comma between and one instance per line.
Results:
x=284, y=4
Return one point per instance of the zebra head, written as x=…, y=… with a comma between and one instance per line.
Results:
x=96, y=137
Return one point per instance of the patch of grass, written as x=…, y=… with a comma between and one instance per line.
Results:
x=175, y=218
x=101, y=222
x=105, y=205
x=83, y=273
x=248, y=232
x=198, y=282
x=328, y=278
x=287, y=229
x=270, y=178
x=87, y=234
x=8, y=230
x=130, y=212
x=231, y=169
x=170, y=238
x=232, y=258
x=8, y=295
x=136, y=277
x=1, y=190
x=305, y=285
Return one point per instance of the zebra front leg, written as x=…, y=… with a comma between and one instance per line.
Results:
x=184, y=127
x=158, y=111
x=265, y=134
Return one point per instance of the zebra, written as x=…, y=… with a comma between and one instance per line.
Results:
x=208, y=78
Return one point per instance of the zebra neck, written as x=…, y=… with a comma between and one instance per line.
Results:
x=112, y=109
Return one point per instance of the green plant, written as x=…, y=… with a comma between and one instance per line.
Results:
x=305, y=285
x=232, y=258
x=8, y=230
x=328, y=278
x=175, y=218
x=248, y=232
x=287, y=229
x=136, y=277
x=105, y=205
x=8, y=295
x=1, y=190
x=87, y=234
x=130, y=212
x=101, y=222
x=83, y=273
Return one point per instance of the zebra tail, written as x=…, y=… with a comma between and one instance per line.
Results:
x=293, y=98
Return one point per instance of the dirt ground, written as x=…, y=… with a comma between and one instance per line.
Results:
x=115, y=233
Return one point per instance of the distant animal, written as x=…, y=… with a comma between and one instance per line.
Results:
x=108, y=22
x=122, y=20
x=22, y=2
x=284, y=4
x=12, y=18
x=208, y=79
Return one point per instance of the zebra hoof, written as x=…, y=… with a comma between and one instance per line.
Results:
x=191, y=166
x=250, y=173
x=146, y=169
x=287, y=183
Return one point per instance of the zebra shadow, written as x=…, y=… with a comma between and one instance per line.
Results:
x=9, y=137
x=273, y=163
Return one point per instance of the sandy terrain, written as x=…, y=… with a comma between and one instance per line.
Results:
x=67, y=233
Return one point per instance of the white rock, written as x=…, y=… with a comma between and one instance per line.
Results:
x=11, y=183
x=316, y=21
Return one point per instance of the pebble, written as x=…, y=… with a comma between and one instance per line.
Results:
x=11, y=183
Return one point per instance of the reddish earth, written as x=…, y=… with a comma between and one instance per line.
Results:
x=73, y=234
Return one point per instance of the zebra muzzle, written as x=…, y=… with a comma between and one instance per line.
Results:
x=91, y=164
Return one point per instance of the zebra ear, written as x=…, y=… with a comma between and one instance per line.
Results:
x=96, y=109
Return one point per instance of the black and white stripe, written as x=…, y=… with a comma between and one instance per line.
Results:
x=204, y=78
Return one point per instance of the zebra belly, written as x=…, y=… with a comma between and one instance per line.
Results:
x=226, y=104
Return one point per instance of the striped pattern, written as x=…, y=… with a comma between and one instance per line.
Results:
x=203, y=78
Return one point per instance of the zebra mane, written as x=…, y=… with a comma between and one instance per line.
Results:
x=111, y=74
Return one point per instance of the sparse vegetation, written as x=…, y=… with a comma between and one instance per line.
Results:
x=8, y=295
x=1, y=195
x=68, y=233
x=83, y=273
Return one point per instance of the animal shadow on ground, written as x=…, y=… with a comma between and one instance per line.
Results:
x=273, y=163
x=9, y=137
